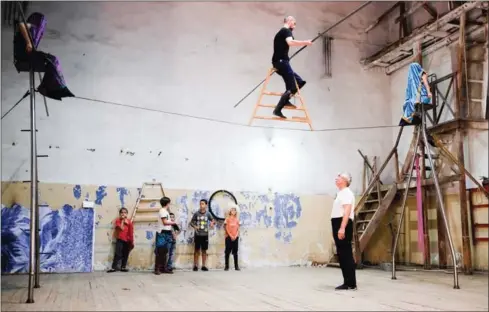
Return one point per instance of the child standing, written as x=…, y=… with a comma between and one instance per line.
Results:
x=175, y=232
x=163, y=238
x=124, y=231
x=231, y=227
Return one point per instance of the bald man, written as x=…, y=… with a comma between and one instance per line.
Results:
x=280, y=60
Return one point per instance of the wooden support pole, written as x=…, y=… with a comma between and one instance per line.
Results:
x=403, y=27
x=461, y=106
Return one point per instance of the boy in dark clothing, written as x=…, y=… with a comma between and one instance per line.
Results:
x=281, y=62
x=124, y=231
x=175, y=232
x=200, y=222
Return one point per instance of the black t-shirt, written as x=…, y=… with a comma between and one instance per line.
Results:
x=280, y=46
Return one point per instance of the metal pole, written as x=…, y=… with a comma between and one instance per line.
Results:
x=403, y=209
x=33, y=234
x=441, y=205
x=38, y=233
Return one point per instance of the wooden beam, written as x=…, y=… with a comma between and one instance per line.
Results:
x=382, y=17
x=419, y=33
x=403, y=26
x=454, y=124
x=472, y=31
x=430, y=181
x=416, y=6
x=430, y=9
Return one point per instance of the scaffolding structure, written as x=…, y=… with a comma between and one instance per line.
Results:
x=442, y=123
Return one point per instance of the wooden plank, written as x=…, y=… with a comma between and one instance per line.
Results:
x=278, y=94
x=377, y=218
x=286, y=107
x=454, y=124
x=293, y=119
x=430, y=181
x=481, y=225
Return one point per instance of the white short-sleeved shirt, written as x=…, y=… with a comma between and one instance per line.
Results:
x=343, y=197
x=164, y=214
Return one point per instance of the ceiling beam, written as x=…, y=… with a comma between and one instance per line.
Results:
x=391, y=51
x=430, y=9
x=470, y=31
x=413, y=9
x=382, y=17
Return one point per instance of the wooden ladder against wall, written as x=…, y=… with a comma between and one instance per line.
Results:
x=370, y=213
x=477, y=201
x=148, y=203
x=263, y=92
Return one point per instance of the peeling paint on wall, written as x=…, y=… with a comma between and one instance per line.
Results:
x=268, y=225
x=122, y=192
x=100, y=194
x=77, y=191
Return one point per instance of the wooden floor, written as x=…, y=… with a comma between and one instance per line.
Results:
x=276, y=289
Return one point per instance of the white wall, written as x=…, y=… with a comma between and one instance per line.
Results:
x=197, y=59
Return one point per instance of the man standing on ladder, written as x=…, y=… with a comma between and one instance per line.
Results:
x=280, y=60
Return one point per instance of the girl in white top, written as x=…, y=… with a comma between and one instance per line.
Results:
x=342, y=216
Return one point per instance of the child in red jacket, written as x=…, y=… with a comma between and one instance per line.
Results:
x=124, y=231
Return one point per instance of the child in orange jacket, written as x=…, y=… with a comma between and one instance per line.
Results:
x=231, y=228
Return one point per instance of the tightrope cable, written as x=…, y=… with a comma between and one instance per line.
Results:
x=227, y=122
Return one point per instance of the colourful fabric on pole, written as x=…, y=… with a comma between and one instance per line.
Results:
x=415, y=93
x=419, y=204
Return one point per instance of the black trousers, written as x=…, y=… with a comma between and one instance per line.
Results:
x=345, y=252
x=288, y=75
x=231, y=247
x=121, y=254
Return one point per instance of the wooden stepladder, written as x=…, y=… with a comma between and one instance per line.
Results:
x=301, y=107
x=148, y=203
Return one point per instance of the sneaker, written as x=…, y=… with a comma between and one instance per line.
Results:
x=204, y=268
x=124, y=270
x=196, y=268
x=342, y=287
x=111, y=271
x=226, y=269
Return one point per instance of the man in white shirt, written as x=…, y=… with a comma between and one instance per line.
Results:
x=342, y=216
x=164, y=239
